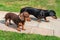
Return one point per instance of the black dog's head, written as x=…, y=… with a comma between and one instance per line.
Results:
x=52, y=14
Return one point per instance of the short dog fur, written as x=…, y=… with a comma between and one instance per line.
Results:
x=19, y=21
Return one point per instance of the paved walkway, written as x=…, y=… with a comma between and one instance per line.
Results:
x=34, y=27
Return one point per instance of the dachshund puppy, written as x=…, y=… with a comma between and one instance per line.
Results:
x=18, y=20
x=39, y=13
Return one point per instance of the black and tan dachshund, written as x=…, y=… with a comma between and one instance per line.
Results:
x=38, y=13
x=18, y=20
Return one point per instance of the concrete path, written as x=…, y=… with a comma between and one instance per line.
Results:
x=34, y=27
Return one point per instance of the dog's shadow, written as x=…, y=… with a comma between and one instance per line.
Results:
x=2, y=21
x=14, y=26
x=35, y=19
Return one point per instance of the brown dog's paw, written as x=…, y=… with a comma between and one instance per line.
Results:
x=23, y=29
x=18, y=29
x=7, y=24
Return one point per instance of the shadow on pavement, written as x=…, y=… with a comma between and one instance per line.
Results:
x=14, y=26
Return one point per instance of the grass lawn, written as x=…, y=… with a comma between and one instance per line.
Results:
x=16, y=5
x=21, y=36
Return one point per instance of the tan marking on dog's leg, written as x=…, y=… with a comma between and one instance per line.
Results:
x=19, y=25
x=18, y=28
x=46, y=19
x=39, y=20
x=23, y=27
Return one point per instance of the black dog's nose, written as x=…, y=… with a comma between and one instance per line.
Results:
x=55, y=17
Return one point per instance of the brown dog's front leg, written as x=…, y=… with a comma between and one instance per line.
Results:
x=18, y=28
x=23, y=27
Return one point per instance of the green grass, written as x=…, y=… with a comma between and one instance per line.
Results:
x=21, y=36
x=58, y=7
x=16, y=5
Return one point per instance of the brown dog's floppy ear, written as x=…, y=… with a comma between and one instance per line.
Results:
x=21, y=16
x=26, y=14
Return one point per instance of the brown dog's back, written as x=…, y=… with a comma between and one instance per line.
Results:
x=15, y=18
x=11, y=16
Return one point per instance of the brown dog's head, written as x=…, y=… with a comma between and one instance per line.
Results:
x=22, y=16
x=25, y=15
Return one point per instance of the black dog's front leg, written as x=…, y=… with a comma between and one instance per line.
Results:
x=46, y=19
x=39, y=20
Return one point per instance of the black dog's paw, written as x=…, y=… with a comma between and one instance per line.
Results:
x=24, y=29
x=11, y=24
x=38, y=20
x=47, y=21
